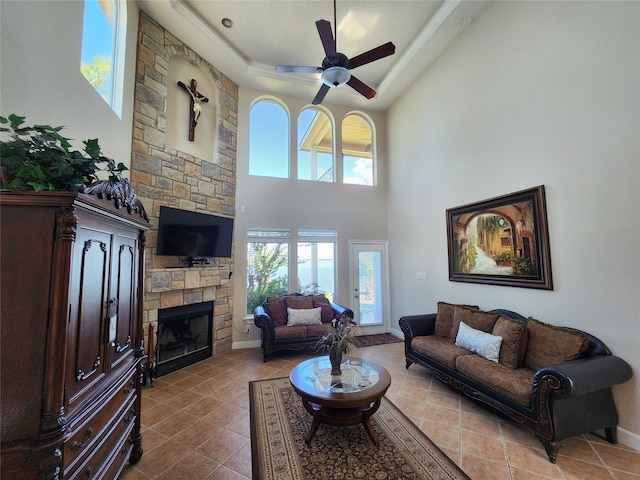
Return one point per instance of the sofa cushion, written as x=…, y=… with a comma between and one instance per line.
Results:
x=317, y=330
x=299, y=302
x=439, y=349
x=305, y=316
x=320, y=298
x=477, y=319
x=477, y=341
x=444, y=318
x=514, y=341
x=277, y=310
x=290, y=333
x=549, y=345
x=516, y=384
x=326, y=312
x=276, y=299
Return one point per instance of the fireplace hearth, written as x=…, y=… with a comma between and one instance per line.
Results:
x=184, y=336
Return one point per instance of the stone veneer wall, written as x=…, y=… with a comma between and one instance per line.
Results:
x=162, y=175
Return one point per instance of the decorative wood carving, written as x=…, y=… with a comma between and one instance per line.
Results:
x=121, y=192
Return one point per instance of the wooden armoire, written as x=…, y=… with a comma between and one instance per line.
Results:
x=71, y=344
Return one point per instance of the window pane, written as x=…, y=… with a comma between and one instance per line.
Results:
x=315, y=146
x=268, y=140
x=267, y=266
x=98, y=46
x=316, y=263
x=357, y=151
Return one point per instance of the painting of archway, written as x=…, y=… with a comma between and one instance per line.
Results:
x=501, y=241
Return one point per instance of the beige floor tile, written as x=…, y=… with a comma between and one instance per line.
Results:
x=216, y=446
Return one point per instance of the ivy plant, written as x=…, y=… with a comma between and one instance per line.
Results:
x=39, y=158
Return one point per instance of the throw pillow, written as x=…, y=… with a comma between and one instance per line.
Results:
x=444, y=318
x=326, y=312
x=482, y=343
x=320, y=298
x=477, y=319
x=514, y=341
x=305, y=316
x=549, y=345
x=278, y=312
x=300, y=301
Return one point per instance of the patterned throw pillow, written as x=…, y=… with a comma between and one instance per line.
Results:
x=549, y=345
x=278, y=312
x=477, y=319
x=299, y=301
x=306, y=316
x=514, y=341
x=479, y=342
x=444, y=318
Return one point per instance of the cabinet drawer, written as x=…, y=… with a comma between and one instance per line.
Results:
x=91, y=427
x=109, y=455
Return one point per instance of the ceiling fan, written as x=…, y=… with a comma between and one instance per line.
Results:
x=336, y=66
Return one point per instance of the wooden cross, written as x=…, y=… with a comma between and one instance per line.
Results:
x=195, y=106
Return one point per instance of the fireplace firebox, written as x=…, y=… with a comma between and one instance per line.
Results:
x=184, y=336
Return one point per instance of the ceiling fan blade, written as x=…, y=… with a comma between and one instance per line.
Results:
x=361, y=88
x=326, y=37
x=297, y=69
x=372, y=55
x=321, y=94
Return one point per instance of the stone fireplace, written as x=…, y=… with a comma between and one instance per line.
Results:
x=183, y=174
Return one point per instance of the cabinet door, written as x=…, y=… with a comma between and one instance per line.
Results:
x=88, y=309
x=123, y=299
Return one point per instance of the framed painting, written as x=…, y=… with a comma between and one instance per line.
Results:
x=501, y=241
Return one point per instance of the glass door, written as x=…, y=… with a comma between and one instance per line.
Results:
x=369, y=286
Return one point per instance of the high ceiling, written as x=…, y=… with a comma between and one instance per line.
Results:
x=266, y=33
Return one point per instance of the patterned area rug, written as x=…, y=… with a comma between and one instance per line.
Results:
x=279, y=423
x=369, y=340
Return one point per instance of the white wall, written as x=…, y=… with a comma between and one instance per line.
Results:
x=355, y=211
x=532, y=93
x=40, y=74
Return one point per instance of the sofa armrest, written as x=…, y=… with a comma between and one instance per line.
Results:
x=262, y=319
x=339, y=310
x=417, y=325
x=585, y=375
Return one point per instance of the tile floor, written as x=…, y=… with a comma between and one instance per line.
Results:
x=196, y=425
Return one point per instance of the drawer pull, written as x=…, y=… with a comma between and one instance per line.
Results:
x=80, y=375
x=88, y=472
x=129, y=417
x=77, y=445
x=122, y=348
x=131, y=387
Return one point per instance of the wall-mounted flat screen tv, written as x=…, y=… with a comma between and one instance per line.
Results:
x=193, y=234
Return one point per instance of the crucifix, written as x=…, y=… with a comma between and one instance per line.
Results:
x=195, y=105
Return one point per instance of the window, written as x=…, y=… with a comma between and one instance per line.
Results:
x=102, y=41
x=357, y=151
x=268, y=140
x=317, y=262
x=267, y=265
x=315, y=146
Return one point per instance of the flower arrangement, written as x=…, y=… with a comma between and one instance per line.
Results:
x=340, y=336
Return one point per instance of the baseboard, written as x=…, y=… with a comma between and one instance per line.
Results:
x=630, y=439
x=397, y=333
x=249, y=344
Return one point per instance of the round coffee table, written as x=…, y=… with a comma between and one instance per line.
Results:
x=343, y=400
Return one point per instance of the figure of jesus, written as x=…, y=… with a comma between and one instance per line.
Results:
x=196, y=104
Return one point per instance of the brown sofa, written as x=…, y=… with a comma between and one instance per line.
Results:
x=556, y=381
x=286, y=326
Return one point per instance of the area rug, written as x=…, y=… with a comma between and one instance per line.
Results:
x=370, y=340
x=279, y=423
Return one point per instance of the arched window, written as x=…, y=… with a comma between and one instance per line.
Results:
x=103, y=43
x=315, y=146
x=268, y=140
x=358, y=151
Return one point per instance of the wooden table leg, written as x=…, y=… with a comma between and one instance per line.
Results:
x=316, y=421
x=366, y=415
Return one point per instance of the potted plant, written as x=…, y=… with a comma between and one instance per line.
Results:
x=336, y=341
x=39, y=158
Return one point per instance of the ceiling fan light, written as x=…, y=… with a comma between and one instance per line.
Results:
x=335, y=76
